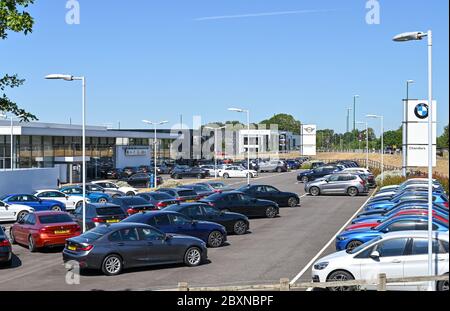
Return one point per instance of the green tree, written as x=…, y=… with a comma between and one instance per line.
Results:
x=12, y=19
x=443, y=139
x=285, y=122
x=393, y=138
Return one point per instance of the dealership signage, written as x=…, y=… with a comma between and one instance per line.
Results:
x=135, y=152
x=415, y=141
x=308, y=143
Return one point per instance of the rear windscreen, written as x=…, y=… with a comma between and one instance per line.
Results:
x=95, y=233
x=186, y=193
x=55, y=219
x=108, y=211
x=162, y=196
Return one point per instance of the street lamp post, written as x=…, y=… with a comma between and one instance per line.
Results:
x=216, y=129
x=155, y=180
x=83, y=112
x=414, y=36
x=373, y=116
x=354, y=111
x=348, y=119
x=367, y=142
x=248, y=138
x=404, y=130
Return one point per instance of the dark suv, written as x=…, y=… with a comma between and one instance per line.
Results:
x=316, y=173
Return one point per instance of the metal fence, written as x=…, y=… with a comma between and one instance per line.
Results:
x=381, y=284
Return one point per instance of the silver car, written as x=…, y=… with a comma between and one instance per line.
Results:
x=341, y=183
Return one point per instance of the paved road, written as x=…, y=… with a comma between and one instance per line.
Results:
x=275, y=248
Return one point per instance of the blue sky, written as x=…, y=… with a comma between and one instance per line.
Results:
x=149, y=59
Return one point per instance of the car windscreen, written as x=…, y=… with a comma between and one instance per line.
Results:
x=213, y=197
x=134, y=201
x=362, y=246
x=109, y=211
x=161, y=196
x=140, y=218
x=186, y=193
x=54, y=219
x=95, y=233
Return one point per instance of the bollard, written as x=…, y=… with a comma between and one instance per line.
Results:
x=183, y=287
x=381, y=282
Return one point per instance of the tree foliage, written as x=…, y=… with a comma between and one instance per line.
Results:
x=285, y=122
x=443, y=139
x=12, y=19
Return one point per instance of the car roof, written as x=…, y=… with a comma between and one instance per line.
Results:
x=45, y=190
x=103, y=205
x=415, y=234
x=47, y=213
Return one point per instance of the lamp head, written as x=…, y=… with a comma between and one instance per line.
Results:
x=409, y=36
x=59, y=77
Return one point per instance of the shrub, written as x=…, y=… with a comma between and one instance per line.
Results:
x=306, y=166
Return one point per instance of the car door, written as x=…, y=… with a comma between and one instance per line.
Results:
x=182, y=225
x=195, y=212
x=19, y=233
x=6, y=213
x=330, y=185
x=159, y=250
x=131, y=247
x=390, y=262
x=416, y=263
x=247, y=205
x=162, y=223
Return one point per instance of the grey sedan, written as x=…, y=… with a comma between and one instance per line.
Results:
x=350, y=184
x=112, y=248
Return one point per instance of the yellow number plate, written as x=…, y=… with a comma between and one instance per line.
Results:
x=112, y=221
x=189, y=201
x=72, y=248
x=62, y=232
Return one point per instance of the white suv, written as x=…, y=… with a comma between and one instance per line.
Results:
x=397, y=254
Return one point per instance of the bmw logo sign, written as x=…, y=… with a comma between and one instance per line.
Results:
x=421, y=111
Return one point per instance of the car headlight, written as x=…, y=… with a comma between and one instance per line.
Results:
x=341, y=238
x=321, y=265
x=88, y=200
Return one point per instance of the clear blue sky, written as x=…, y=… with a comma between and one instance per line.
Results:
x=152, y=59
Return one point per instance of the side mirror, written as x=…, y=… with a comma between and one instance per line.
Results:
x=4, y=228
x=67, y=197
x=167, y=237
x=375, y=255
x=194, y=222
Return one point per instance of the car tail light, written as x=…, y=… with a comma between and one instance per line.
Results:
x=211, y=204
x=5, y=243
x=85, y=248
x=161, y=205
x=44, y=230
x=131, y=211
x=446, y=204
x=98, y=220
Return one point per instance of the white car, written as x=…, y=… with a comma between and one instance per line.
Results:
x=406, y=188
x=397, y=254
x=357, y=170
x=71, y=201
x=108, y=185
x=236, y=171
x=13, y=212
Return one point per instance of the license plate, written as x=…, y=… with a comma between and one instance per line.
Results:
x=72, y=248
x=189, y=201
x=112, y=221
x=62, y=231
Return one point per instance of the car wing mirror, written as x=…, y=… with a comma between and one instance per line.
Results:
x=375, y=255
x=167, y=237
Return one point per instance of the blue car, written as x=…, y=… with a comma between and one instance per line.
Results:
x=438, y=198
x=38, y=204
x=398, y=206
x=213, y=234
x=93, y=197
x=348, y=240
x=386, y=215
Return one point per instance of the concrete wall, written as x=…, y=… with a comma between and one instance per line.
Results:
x=28, y=180
x=123, y=160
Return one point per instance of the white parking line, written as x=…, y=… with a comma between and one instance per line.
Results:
x=300, y=274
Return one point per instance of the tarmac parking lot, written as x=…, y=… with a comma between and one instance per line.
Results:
x=284, y=247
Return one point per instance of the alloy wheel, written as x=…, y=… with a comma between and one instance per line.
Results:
x=215, y=239
x=193, y=257
x=292, y=202
x=353, y=244
x=271, y=212
x=112, y=265
x=240, y=227
x=56, y=208
x=314, y=191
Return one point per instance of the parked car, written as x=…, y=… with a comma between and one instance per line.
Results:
x=34, y=202
x=13, y=212
x=165, y=168
x=241, y=203
x=317, y=164
x=180, y=172
x=113, y=173
x=5, y=249
x=213, y=186
x=181, y=194
x=126, y=245
x=212, y=170
x=273, y=166
x=143, y=180
x=236, y=171
x=397, y=254
x=114, y=193
x=311, y=175
x=349, y=184
x=44, y=229
x=271, y=193
x=437, y=188
x=293, y=164
x=201, y=190
x=109, y=185
x=94, y=197
x=70, y=201
x=134, y=204
x=233, y=222
x=351, y=239
x=159, y=199
x=129, y=170
x=385, y=204
x=99, y=214
x=213, y=234
x=405, y=183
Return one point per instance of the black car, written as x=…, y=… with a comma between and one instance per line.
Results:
x=293, y=164
x=201, y=190
x=181, y=194
x=5, y=249
x=113, y=248
x=271, y=193
x=143, y=180
x=241, y=203
x=158, y=199
x=233, y=222
x=310, y=175
x=317, y=164
x=129, y=170
x=214, y=185
x=98, y=214
x=181, y=172
x=133, y=204
x=112, y=173
x=165, y=168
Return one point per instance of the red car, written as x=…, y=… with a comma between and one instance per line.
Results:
x=418, y=212
x=44, y=229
